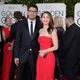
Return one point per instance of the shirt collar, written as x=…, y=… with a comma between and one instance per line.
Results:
x=31, y=20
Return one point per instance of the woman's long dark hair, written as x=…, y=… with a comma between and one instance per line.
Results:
x=51, y=23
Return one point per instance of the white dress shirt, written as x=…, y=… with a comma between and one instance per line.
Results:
x=29, y=25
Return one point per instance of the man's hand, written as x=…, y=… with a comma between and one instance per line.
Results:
x=16, y=60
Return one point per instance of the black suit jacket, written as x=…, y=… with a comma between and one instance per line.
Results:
x=71, y=46
x=24, y=43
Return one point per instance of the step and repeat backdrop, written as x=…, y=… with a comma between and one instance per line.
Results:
x=56, y=9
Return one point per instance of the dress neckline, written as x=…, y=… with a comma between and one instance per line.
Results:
x=46, y=37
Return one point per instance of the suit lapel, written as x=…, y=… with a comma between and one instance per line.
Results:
x=27, y=29
x=35, y=30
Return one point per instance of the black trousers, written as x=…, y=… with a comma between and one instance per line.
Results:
x=58, y=72
x=12, y=70
x=27, y=70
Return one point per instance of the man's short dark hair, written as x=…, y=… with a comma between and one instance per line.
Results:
x=71, y=17
x=17, y=15
x=68, y=16
x=32, y=5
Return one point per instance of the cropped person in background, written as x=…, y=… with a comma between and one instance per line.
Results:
x=7, y=56
x=71, y=49
x=58, y=24
x=18, y=17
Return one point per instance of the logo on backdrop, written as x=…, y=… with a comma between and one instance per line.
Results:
x=8, y=10
x=77, y=14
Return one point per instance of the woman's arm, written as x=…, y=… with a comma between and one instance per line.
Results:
x=3, y=34
x=55, y=42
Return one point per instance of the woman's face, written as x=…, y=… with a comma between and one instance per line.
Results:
x=45, y=19
x=8, y=22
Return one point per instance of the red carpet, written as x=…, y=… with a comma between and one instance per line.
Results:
x=63, y=78
x=78, y=78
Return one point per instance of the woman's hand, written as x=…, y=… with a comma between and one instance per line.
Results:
x=42, y=53
x=10, y=46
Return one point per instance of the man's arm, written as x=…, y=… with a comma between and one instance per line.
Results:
x=17, y=44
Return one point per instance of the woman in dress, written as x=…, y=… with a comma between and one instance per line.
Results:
x=59, y=26
x=48, y=43
x=7, y=57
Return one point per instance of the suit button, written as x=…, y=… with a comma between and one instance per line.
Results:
x=30, y=49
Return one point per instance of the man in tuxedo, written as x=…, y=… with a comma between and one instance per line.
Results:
x=27, y=46
x=71, y=49
x=18, y=18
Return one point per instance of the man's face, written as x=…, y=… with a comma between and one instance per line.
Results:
x=32, y=13
x=66, y=22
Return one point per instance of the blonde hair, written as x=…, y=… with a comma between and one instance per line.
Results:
x=58, y=21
